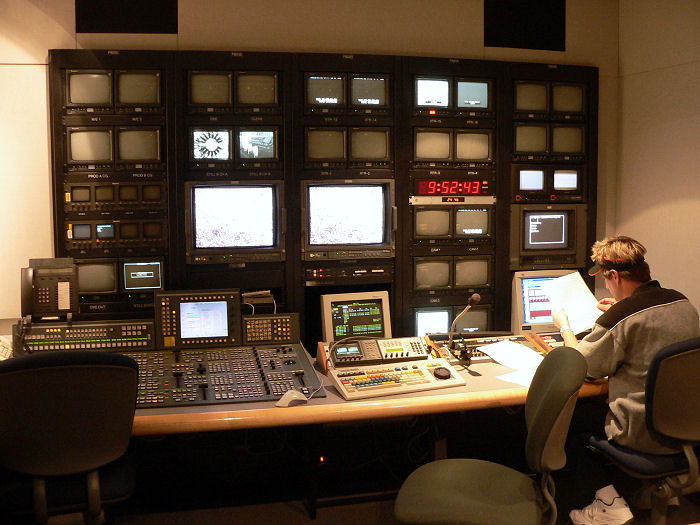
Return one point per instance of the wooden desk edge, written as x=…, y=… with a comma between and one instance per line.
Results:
x=233, y=417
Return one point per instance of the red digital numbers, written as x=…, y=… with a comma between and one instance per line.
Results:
x=449, y=187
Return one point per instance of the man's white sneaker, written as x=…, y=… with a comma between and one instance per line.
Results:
x=608, y=508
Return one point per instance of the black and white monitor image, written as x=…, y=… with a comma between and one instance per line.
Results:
x=85, y=145
x=367, y=144
x=475, y=320
x=210, y=88
x=152, y=230
x=531, y=180
x=432, y=222
x=235, y=216
x=472, y=272
x=325, y=144
x=257, y=144
x=204, y=319
x=567, y=139
x=151, y=192
x=138, y=144
x=472, y=146
x=567, y=98
x=355, y=314
x=433, y=92
x=472, y=221
x=89, y=88
x=104, y=193
x=565, y=180
x=211, y=144
x=325, y=90
x=368, y=91
x=432, y=320
x=128, y=192
x=256, y=88
x=531, y=310
x=546, y=230
x=128, y=230
x=472, y=94
x=138, y=88
x=433, y=145
x=530, y=139
x=530, y=96
x=432, y=273
x=81, y=232
x=142, y=275
x=80, y=194
x=97, y=276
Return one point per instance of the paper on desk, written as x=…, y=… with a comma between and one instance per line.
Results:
x=513, y=355
x=519, y=377
x=571, y=293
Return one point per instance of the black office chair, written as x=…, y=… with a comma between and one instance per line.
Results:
x=65, y=424
x=477, y=492
x=672, y=397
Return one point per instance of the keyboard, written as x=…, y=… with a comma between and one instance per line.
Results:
x=361, y=382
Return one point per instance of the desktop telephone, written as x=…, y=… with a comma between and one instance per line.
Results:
x=49, y=288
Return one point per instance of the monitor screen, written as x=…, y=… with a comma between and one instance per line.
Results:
x=432, y=222
x=346, y=214
x=142, y=275
x=432, y=320
x=433, y=145
x=355, y=314
x=211, y=144
x=567, y=139
x=472, y=94
x=256, y=88
x=205, y=319
x=128, y=230
x=368, y=91
x=531, y=180
x=471, y=272
x=82, y=232
x=139, y=144
x=531, y=139
x=210, y=88
x=152, y=192
x=369, y=144
x=565, y=180
x=257, y=144
x=531, y=310
x=546, y=230
x=472, y=145
x=128, y=192
x=105, y=231
x=80, y=194
x=471, y=221
x=234, y=216
x=475, y=320
x=325, y=90
x=97, y=277
x=138, y=88
x=152, y=230
x=530, y=96
x=431, y=273
x=104, y=193
x=433, y=92
x=90, y=145
x=89, y=88
x=567, y=98
x=325, y=144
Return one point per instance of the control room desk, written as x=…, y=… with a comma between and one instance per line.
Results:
x=483, y=390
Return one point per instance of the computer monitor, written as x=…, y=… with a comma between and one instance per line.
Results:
x=531, y=310
x=355, y=314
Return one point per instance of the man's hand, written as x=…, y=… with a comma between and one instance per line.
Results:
x=559, y=317
x=605, y=304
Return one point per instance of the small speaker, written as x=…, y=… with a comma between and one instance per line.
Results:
x=527, y=24
x=126, y=16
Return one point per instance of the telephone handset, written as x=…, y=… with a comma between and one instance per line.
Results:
x=49, y=288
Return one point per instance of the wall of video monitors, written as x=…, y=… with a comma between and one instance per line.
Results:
x=308, y=174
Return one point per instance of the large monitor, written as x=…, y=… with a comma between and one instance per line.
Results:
x=234, y=222
x=348, y=219
x=355, y=314
x=531, y=310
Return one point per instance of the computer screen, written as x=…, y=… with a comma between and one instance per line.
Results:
x=105, y=231
x=256, y=88
x=104, y=193
x=531, y=310
x=472, y=272
x=128, y=230
x=80, y=194
x=138, y=88
x=475, y=320
x=97, y=276
x=531, y=180
x=472, y=221
x=568, y=98
x=433, y=145
x=205, y=319
x=432, y=320
x=546, y=229
x=566, y=180
x=355, y=314
x=81, y=232
x=138, y=144
x=152, y=230
x=210, y=88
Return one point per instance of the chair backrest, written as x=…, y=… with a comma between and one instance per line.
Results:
x=65, y=412
x=672, y=392
x=549, y=407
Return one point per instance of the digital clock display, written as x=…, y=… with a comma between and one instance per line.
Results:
x=452, y=187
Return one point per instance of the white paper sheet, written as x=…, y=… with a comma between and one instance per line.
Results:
x=513, y=355
x=519, y=377
x=571, y=293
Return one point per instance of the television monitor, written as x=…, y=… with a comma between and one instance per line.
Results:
x=566, y=180
x=432, y=222
x=141, y=274
x=472, y=145
x=531, y=310
x=473, y=221
x=473, y=94
x=234, y=222
x=345, y=219
x=548, y=235
x=531, y=138
x=432, y=92
x=138, y=89
x=568, y=139
x=128, y=192
x=531, y=96
x=363, y=314
x=128, y=231
x=326, y=145
x=153, y=230
x=210, y=88
x=477, y=319
x=432, y=145
x=89, y=145
x=472, y=272
x=325, y=90
x=370, y=145
x=152, y=192
x=140, y=145
x=88, y=90
x=104, y=193
x=80, y=232
x=80, y=194
x=568, y=98
x=211, y=145
x=256, y=89
x=257, y=144
x=432, y=320
x=432, y=273
x=105, y=231
x=531, y=179
x=369, y=92
x=97, y=276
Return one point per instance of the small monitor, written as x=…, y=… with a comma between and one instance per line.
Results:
x=80, y=194
x=355, y=314
x=89, y=145
x=105, y=231
x=472, y=94
x=531, y=310
x=128, y=192
x=567, y=139
x=472, y=221
x=432, y=222
x=472, y=146
x=369, y=91
x=472, y=272
x=433, y=145
x=153, y=230
x=134, y=145
x=128, y=230
x=432, y=92
x=97, y=276
x=325, y=144
x=210, y=88
x=141, y=275
x=566, y=180
x=475, y=320
x=370, y=144
x=530, y=138
x=325, y=89
x=81, y=232
x=104, y=193
x=568, y=98
x=530, y=96
x=531, y=180
x=256, y=88
x=88, y=88
x=205, y=319
x=152, y=192
x=211, y=144
x=546, y=230
x=138, y=88
x=257, y=144
x=432, y=320
x=432, y=273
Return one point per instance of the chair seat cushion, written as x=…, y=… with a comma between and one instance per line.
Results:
x=638, y=464
x=468, y=492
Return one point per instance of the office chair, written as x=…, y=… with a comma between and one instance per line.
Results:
x=672, y=397
x=65, y=424
x=477, y=492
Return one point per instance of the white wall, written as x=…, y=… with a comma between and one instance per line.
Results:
x=445, y=28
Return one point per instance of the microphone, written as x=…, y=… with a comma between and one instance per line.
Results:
x=474, y=299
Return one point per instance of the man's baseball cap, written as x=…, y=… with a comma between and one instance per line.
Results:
x=613, y=264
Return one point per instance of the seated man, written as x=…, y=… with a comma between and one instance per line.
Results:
x=639, y=320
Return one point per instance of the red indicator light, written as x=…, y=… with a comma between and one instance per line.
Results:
x=432, y=112
x=322, y=459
